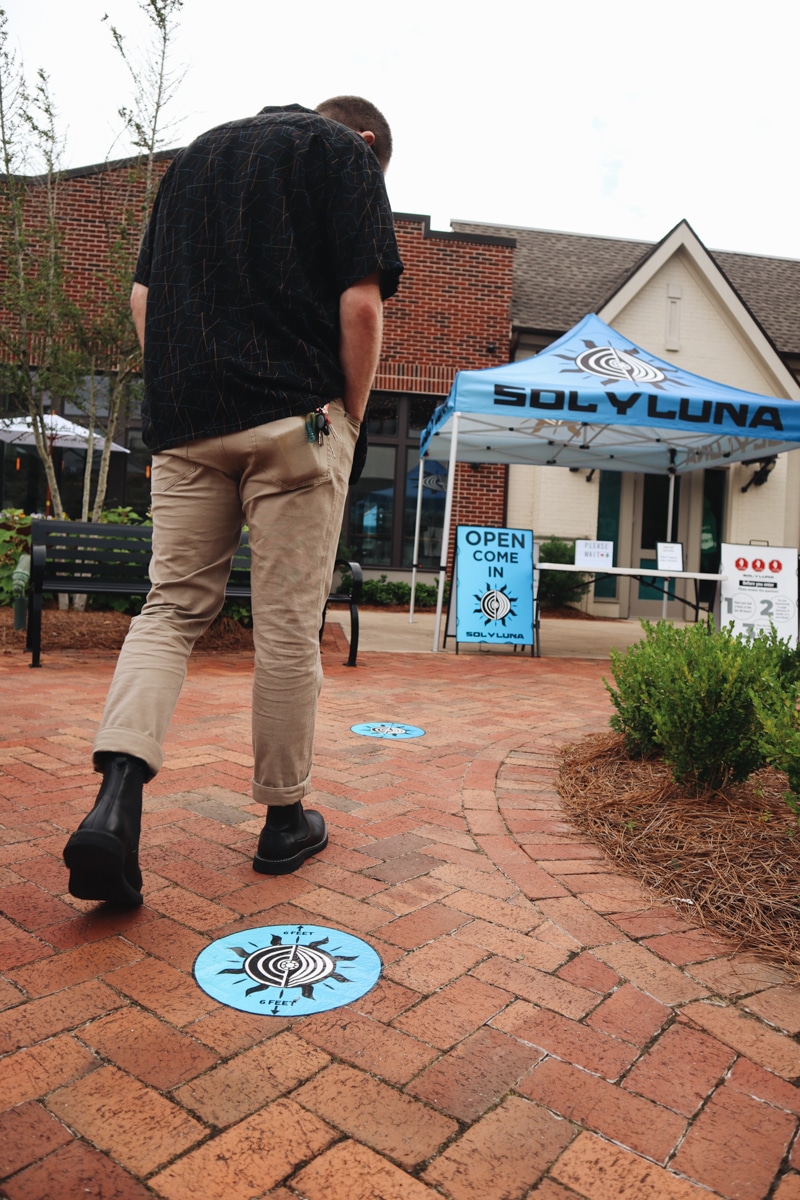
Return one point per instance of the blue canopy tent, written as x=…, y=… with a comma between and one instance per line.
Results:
x=594, y=399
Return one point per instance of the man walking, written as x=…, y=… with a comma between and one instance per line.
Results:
x=258, y=301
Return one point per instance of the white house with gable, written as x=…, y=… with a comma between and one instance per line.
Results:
x=730, y=317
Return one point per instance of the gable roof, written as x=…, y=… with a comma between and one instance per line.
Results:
x=559, y=277
x=771, y=289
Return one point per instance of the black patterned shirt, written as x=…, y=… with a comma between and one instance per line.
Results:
x=257, y=229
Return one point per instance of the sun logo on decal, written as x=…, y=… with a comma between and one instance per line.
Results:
x=287, y=970
x=286, y=966
x=495, y=605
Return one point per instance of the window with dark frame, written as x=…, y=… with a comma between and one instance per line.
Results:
x=380, y=515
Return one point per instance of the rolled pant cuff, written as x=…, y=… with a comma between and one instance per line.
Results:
x=128, y=741
x=281, y=796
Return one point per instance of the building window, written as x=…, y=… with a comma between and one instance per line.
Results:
x=137, y=473
x=378, y=528
x=22, y=479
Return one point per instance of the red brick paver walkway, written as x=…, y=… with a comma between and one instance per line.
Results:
x=541, y=1028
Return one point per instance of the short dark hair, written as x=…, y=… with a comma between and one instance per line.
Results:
x=359, y=114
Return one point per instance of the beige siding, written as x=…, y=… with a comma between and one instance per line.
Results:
x=552, y=501
x=711, y=342
x=682, y=306
x=760, y=514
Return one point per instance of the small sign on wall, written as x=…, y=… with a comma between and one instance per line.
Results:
x=669, y=556
x=760, y=590
x=594, y=555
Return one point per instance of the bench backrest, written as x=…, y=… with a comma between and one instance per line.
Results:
x=115, y=558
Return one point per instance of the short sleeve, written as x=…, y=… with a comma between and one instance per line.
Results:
x=145, y=260
x=360, y=226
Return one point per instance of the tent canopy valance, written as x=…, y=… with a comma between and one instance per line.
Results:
x=595, y=399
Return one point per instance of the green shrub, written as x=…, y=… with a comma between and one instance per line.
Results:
x=238, y=610
x=15, y=539
x=782, y=659
x=559, y=588
x=637, y=674
x=690, y=695
x=777, y=711
x=383, y=592
x=115, y=602
x=123, y=515
x=426, y=595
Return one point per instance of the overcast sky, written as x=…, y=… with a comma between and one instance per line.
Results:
x=616, y=118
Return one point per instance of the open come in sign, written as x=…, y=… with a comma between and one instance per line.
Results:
x=494, y=585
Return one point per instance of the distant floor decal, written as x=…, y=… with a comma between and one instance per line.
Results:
x=388, y=729
x=287, y=970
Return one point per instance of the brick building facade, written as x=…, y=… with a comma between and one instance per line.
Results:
x=452, y=312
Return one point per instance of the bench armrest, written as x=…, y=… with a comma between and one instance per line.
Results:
x=358, y=577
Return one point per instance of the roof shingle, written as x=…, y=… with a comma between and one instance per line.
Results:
x=559, y=277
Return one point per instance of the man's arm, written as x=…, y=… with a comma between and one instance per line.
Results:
x=361, y=331
x=138, y=309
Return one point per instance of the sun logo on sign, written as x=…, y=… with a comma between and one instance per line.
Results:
x=495, y=604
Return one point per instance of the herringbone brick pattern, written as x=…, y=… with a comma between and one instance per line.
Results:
x=541, y=1028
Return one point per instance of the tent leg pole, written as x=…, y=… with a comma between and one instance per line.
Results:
x=670, y=509
x=417, y=524
x=448, y=512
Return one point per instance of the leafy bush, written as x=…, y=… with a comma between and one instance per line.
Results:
x=383, y=592
x=638, y=673
x=15, y=539
x=690, y=695
x=105, y=601
x=426, y=594
x=238, y=610
x=777, y=711
x=559, y=588
x=123, y=515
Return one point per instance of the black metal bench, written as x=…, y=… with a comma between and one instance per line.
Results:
x=85, y=558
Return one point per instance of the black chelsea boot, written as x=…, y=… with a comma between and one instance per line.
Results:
x=290, y=835
x=103, y=853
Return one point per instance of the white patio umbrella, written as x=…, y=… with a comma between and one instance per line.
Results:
x=60, y=432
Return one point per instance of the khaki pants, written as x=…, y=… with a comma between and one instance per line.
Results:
x=291, y=493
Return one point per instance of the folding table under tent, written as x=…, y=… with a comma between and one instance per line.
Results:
x=594, y=399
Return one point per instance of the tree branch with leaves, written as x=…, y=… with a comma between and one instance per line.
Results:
x=38, y=358
x=60, y=342
x=109, y=338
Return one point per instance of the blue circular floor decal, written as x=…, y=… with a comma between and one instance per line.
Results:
x=387, y=729
x=287, y=970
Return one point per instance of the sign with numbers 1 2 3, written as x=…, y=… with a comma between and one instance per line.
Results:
x=760, y=590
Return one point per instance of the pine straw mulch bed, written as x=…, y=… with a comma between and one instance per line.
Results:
x=98, y=629
x=735, y=856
